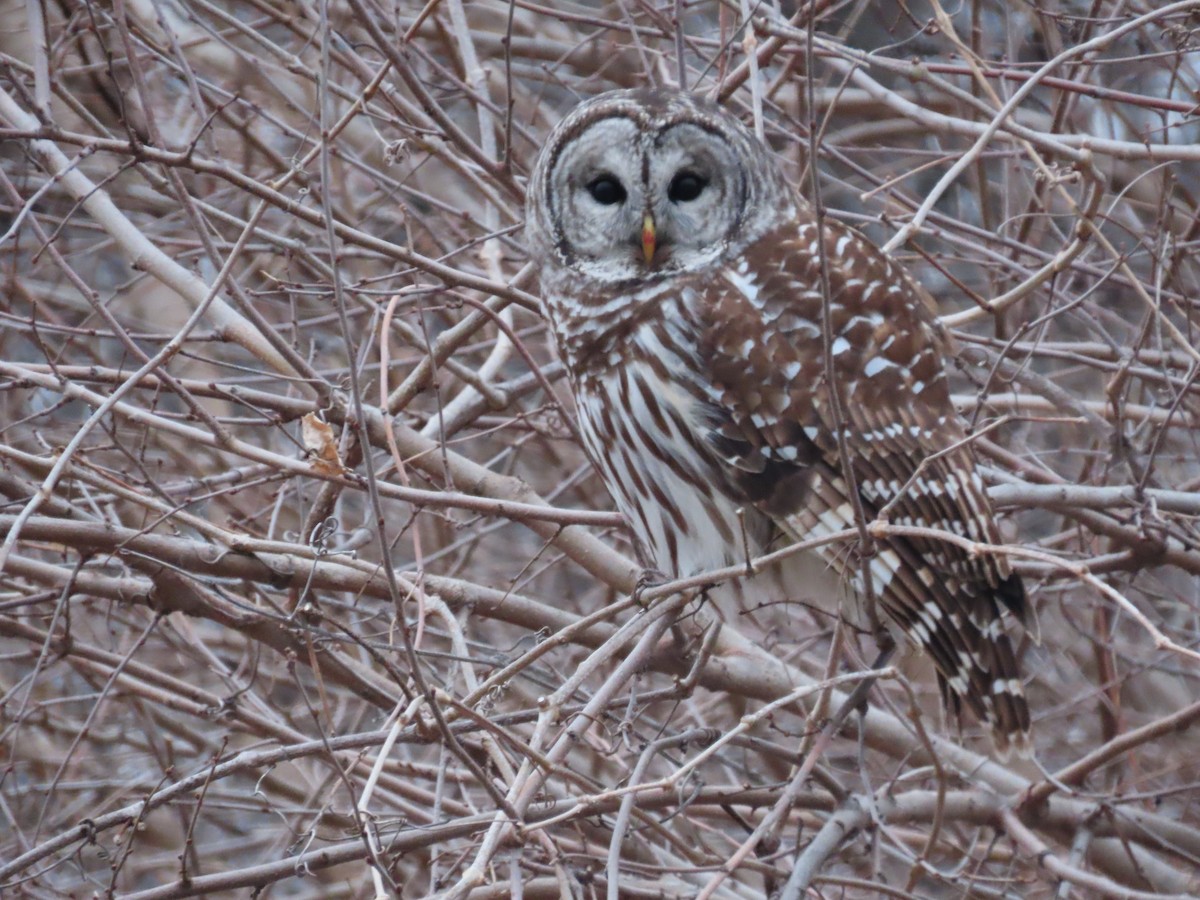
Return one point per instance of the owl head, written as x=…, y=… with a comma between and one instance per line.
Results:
x=642, y=184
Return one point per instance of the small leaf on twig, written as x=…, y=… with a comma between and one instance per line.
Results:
x=321, y=444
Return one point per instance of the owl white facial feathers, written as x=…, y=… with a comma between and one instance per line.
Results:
x=696, y=175
x=681, y=275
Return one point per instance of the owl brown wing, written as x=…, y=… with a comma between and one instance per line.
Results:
x=773, y=425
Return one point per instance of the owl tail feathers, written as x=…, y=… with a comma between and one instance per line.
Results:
x=1011, y=732
x=991, y=687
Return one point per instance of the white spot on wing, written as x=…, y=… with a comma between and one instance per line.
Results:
x=837, y=519
x=746, y=286
x=877, y=365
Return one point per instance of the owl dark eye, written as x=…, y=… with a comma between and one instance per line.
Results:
x=606, y=190
x=685, y=186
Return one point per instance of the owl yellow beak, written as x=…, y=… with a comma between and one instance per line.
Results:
x=648, y=238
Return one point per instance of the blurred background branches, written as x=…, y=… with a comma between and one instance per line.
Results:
x=306, y=588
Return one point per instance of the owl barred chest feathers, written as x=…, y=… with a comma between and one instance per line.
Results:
x=641, y=398
x=685, y=283
x=661, y=484
x=692, y=413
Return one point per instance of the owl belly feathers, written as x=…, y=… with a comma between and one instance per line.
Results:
x=648, y=450
x=692, y=490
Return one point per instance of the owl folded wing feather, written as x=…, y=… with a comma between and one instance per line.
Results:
x=774, y=425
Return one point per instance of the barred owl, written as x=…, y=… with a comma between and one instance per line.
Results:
x=682, y=278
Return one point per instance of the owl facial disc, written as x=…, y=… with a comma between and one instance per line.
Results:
x=646, y=184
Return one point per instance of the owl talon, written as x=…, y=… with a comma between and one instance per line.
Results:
x=648, y=578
